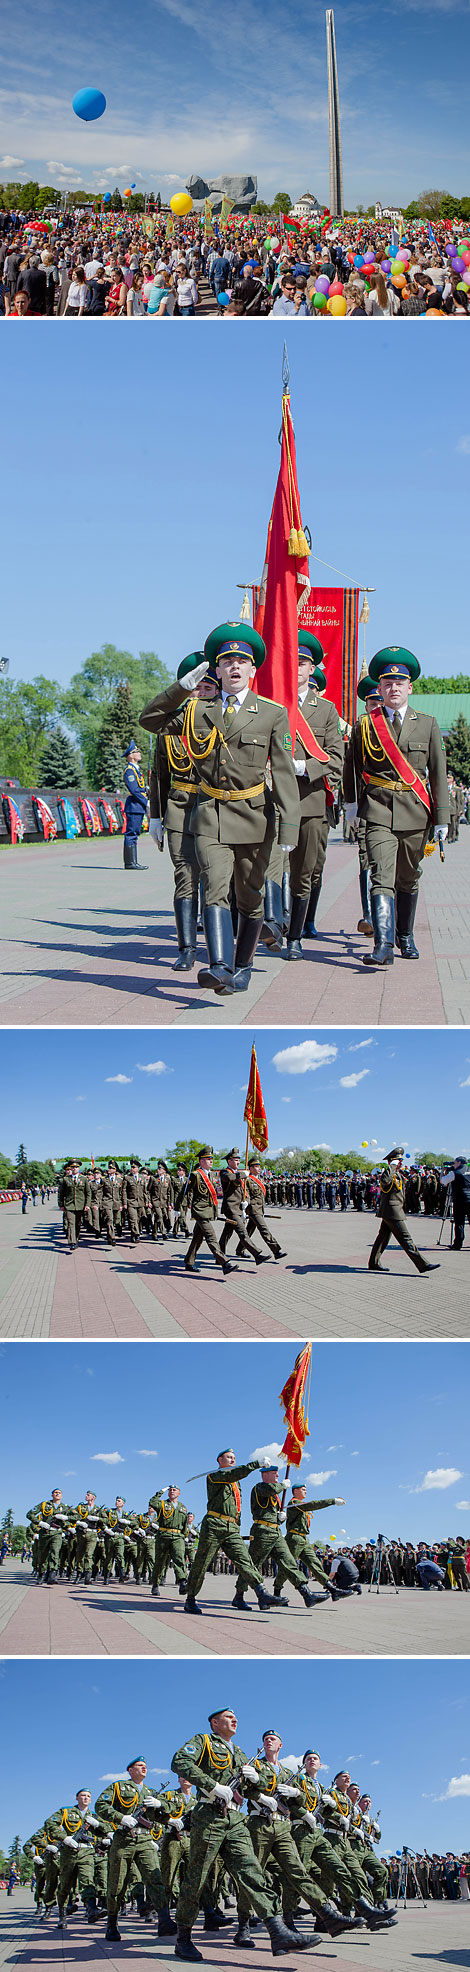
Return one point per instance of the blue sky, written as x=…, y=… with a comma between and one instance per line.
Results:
x=113, y=1093
x=403, y=1728
x=149, y=486
x=388, y=1427
x=191, y=87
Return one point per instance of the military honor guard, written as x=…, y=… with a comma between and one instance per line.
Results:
x=271, y=1790
x=297, y=1532
x=171, y=1522
x=233, y=1206
x=220, y=1529
x=318, y=776
x=390, y=1208
x=127, y=1809
x=136, y=805
x=255, y=1195
x=267, y=1541
x=203, y=1204
x=74, y=1198
x=173, y=794
x=395, y=780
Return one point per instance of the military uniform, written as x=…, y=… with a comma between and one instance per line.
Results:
x=400, y=821
x=173, y=794
x=119, y=1802
x=88, y=1526
x=273, y=1838
x=118, y=1530
x=362, y=1833
x=157, y=1198
x=111, y=1204
x=323, y=1861
x=256, y=1194
x=144, y=1530
x=134, y=1203
x=35, y=1849
x=220, y=1528
x=68, y=1828
x=180, y=1192
x=297, y=1531
x=336, y=1818
x=266, y=1540
x=316, y=788
x=217, y=1829
x=50, y=1523
x=233, y=1199
x=74, y=1197
x=171, y=1524
x=204, y=1208
x=391, y=1212
x=136, y=807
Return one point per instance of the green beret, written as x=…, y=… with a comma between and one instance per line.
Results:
x=228, y=637
x=394, y=659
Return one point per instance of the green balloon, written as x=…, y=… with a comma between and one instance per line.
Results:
x=319, y=301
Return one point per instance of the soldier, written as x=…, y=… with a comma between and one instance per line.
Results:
x=220, y=1528
x=111, y=1202
x=394, y=754
x=133, y=1199
x=35, y=1849
x=235, y=817
x=213, y=1763
x=136, y=806
x=180, y=1223
x=74, y=1196
x=173, y=794
x=233, y=1200
x=318, y=774
x=363, y=1833
x=392, y=1215
x=145, y=1531
x=322, y=1859
x=297, y=1541
x=93, y=1211
x=128, y=1808
x=267, y=1542
x=50, y=1519
x=369, y=693
x=256, y=1194
x=157, y=1200
x=117, y=1531
x=171, y=1524
x=89, y=1520
x=203, y=1205
x=271, y=1790
x=336, y=1815
x=67, y=1831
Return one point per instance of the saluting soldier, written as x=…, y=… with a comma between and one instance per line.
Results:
x=136, y=806
x=257, y=1195
x=271, y=1791
x=203, y=1205
x=173, y=793
x=267, y=1542
x=231, y=743
x=233, y=1200
x=133, y=1199
x=391, y=1212
x=74, y=1197
x=220, y=1528
x=318, y=776
x=128, y=1808
x=213, y=1762
x=395, y=778
x=170, y=1549
x=297, y=1532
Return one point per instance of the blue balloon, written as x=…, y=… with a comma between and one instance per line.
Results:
x=106, y=197
x=358, y=260
x=88, y=104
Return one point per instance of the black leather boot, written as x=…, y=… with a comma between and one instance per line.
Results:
x=264, y=1600
x=243, y=1936
x=382, y=910
x=185, y=909
x=365, y=922
x=406, y=913
x=239, y=1603
x=283, y=1940
x=297, y=921
x=191, y=1607
x=112, y=1934
x=184, y=1947
x=214, y=1920
x=247, y=940
x=218, y=932
x=166, y=1926
x=127, y=854
x=309, y=1598
x=310, y=929
x=272, y=932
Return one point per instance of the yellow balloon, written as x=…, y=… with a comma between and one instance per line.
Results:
x=337, y=305
x=181, y=203
x=365, y=1143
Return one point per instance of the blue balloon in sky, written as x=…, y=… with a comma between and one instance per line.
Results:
x=88, y=104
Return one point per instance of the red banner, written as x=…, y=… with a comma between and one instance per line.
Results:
x=333, y=615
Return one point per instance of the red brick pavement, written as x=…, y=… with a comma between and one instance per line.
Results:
x=90, y=1303
x=51, y=1950
x=90, y=1299
x=67, y=1621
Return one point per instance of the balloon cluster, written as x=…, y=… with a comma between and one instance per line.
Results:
x=328, y=296
x=460, y=262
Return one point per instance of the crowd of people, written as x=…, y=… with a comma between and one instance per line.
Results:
x=81, y=266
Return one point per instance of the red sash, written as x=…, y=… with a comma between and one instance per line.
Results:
x=211, y=1188
x=237, y=1496
x=259, y=1181
x=304, y=732
x=393, y=753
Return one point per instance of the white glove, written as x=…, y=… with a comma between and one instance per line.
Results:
x=193, y=678
x=287, y=1793
x=91, y=1821
x=312, y=1820
x=441, y=832
x=327, y=1801
x=289, y=847
x=156, y=831
x=266, y=1801
x=53, y=1848
x=150, y=1801
x=300, y=767
x=176, y=1825
x=339, y=1501
x=350, y=810
x=282, y=1516
x=128, y=1821
x=106, y=1841
x=220, y=1793
x=69, y=1842
x=249, y=1773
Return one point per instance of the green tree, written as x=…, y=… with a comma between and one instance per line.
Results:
x=458, y=749
x=107, y=748
x=429, y=204
x=28, y=196
x=412, y=211
x=21, y=1156
x=458, y=683
x=464, y=208
x=46, y=196
x=281, y=203
x=448, y=206
x=8, y=1523
x=7, y=1172
x=116, y=200
x=27, y=713
x=59, y=764
x=86, y=702
x=184, y=1152
x=260, y=209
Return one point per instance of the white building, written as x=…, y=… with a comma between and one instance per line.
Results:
x=391, y=212
x=305, y=208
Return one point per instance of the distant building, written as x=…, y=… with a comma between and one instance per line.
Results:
x=305, y=208
x=443, y=706
x=391, y=212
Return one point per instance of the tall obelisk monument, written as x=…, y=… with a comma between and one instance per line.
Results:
x=336, y=166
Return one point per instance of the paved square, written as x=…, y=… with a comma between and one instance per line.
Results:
x=85, y=943
x=322, y=1290
x=125, y=1620
x=436, y=1936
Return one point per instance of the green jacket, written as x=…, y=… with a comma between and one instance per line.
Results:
x=266, y=1504
x=321, y=715
x=173, y=1804
x=121, y=1798
x=36, y=1845
x=221, y=1498
x=297, y=1517
x=232, y=1191
x=199, y=1199
x=60, y=1516
x=73, y=1194
x=206, y=1759
x=259, y=735
x=423, y=747
x=66, y=1821
x=270, y=1778
x=336, y=1818
x=390, y=1204
x=171, y=1519
x=173, y=782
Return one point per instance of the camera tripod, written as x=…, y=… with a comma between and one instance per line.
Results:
x=381, y=1561
x=447, y=1214
x=407, y=1878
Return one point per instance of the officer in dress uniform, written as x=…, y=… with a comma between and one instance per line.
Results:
x=233, y=1200
x=256, y=1193
x=232, y=743
x=173, y=794
x=369, y=693
x=391, y=1213
x=203, y=1205
x=395, y=778
x=318, y=780
x=136, y=806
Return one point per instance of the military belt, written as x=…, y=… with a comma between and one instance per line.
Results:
x=392, y=787
x=235, y=794
x=229, y=1517
x=272, y=1525
x=184, y=787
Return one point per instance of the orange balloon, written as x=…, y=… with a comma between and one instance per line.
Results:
x=128, y=193
x=399, y=281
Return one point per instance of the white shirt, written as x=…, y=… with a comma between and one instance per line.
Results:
x=303, y=694
x=390, y=711
x=92, y=268
x=237, y=701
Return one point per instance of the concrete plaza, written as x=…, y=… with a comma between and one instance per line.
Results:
x=424, y=1937
x=85, y=943
x=125, y=1620
x=322, y=1290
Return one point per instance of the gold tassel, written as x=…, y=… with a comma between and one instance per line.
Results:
x=303, y=543
x=293, y=542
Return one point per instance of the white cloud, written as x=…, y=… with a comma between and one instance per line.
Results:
x=286, y=1098
x=354, y=1454
x=462, y=1506
x=118, y=1078
x=265, y=1452
x=11, y=160
x=350, y=1081
x=356, y=1045
x=300, y=1059
x=460, y=1784
x=439, y=1480
x=80, y=1098
x=320, y=1478
x=375, y=1763
x=335, y=1448
x=70, y=1474
x=107, y=1458
x=321, y=1146
x=154, y=1068
x=146, y=1454
x=466, y=1083
x=463, y=444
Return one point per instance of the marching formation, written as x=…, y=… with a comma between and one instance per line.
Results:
x=142, y=1201
x=263, y=1827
